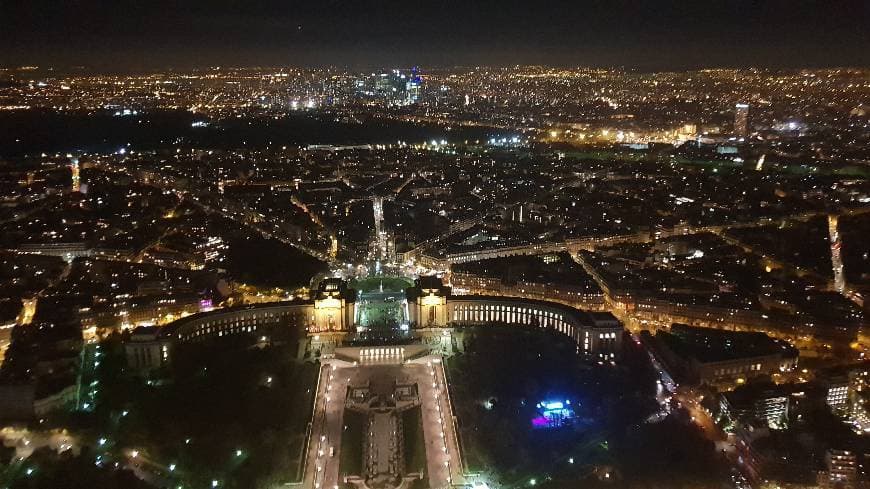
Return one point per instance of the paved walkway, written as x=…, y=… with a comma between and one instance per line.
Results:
x=444, y=467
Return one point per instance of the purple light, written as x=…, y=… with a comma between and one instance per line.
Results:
x=540, y=422
x=553, y=414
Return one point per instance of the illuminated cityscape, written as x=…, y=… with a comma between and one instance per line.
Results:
x=413, y=246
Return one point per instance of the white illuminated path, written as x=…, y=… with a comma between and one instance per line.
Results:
x=444, y=463
x=444, y=466
x=380, y=234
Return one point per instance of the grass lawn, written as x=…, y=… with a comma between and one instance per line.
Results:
x=393, y=284
x=351, y=462
x=415, y=449
x=305, y=404
x=386, y=314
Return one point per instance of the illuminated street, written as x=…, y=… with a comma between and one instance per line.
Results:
x=324, y=443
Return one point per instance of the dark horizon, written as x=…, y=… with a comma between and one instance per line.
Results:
x=651, y=35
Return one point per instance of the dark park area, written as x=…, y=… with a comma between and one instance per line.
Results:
x=505, y=372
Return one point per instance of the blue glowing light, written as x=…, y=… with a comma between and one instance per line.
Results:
x=553, y=414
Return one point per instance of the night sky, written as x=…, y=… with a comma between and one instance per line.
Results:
x=646, y=34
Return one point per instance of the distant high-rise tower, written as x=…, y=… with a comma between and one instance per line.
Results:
x=741, y=120
x=412, y=87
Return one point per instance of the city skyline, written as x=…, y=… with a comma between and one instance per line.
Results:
x=612, y=244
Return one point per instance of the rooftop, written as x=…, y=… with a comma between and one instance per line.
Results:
x=714, y=345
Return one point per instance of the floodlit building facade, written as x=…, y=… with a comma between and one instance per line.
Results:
x=328, y=318
x=598, y=335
